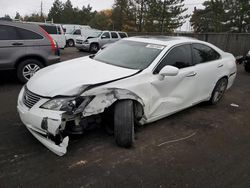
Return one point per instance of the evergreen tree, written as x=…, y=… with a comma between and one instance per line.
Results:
x=238, y=14
x=18, y=16
x=56, y=12
x=210, y=19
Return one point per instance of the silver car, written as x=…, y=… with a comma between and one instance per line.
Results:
x=26, y=48
x=98, y=39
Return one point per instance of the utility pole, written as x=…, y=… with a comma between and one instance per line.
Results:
x=41, y=9
x=163, y=16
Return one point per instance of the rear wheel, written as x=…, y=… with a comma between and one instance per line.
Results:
x=218, y=91
x=27, y=68
x=124, y=123
x=94, y=48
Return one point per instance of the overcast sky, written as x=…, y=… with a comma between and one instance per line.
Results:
x=33, y=6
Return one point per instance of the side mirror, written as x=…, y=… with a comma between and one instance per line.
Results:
x=169, y=71
x=103, y=37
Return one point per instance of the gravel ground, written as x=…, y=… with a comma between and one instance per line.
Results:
x=209, y=147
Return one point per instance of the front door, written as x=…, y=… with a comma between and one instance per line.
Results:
x=105, y=39
x=174, y=92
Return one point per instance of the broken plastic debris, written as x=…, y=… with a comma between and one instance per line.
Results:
x=235, y=105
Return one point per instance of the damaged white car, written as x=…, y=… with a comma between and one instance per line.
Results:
x=132, y=82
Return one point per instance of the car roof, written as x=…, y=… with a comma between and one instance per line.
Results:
x=25, y=25
x=162, y=40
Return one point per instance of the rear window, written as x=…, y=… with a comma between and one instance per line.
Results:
x=50, y=29
x=28, y=35
x=123, y=35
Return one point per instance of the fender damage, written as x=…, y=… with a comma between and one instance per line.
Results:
x=52, y=131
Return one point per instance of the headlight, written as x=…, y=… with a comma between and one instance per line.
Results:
x=67, y=104
x=86, y=42
x=57, y=104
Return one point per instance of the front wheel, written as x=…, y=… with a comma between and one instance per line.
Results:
x=124, y=123
x=27, y=68
x=218, y=91
x=94, y=48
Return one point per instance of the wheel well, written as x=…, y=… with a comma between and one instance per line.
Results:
x=94, y=43
x=39, y=58
x=223, y=77
x=138, y=107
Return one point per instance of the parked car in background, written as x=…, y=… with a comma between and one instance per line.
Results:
x=69, y=28
x=134, y=81
x=56, y=32
x=27, y=48
x=246, y=61
x=71, y=37
x=97, y=40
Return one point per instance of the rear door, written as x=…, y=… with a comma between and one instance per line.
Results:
x=208, y=65
x=11, y=46
x=114, y=37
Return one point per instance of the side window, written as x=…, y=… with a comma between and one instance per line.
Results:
x=180, y=57
x=122, y=35
x=106, y=35
x=203, y=53
x=114, y=35
x=8, y=33
x=50, y=29
x=28, y=35
x=77, y=32
x=58, y=30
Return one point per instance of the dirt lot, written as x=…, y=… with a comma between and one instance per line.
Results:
x=216, y=152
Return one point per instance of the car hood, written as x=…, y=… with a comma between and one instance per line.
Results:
x=71, y=77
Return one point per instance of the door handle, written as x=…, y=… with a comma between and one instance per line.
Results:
x=17, y=44
x=220, y=65
x=191, y=74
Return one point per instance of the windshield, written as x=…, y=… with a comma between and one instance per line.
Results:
x=129, y=54
x=94, y=34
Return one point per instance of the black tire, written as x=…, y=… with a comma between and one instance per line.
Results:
x=94, y=48
x=22, y=68
x=124, y=123
x=71, y=43
x=218, y=91
x=247, y=69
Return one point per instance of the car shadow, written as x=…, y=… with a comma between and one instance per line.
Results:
x=8, y=77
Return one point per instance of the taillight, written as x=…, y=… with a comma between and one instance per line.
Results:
x=52, y=42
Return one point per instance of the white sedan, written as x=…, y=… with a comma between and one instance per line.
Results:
x=132, y=82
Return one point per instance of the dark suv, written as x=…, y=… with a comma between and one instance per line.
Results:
x=27, y=48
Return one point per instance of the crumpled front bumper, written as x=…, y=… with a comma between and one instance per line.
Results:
x=32, y=119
